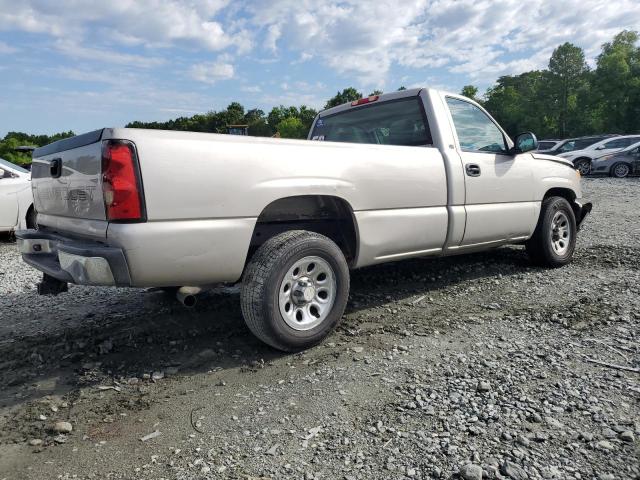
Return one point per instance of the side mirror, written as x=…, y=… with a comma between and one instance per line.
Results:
x=525, y=142
x=601, y=147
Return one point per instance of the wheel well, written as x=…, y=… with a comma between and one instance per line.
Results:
x=324, y=214
x=582, y=158
x=565, y=193
x=30, y=210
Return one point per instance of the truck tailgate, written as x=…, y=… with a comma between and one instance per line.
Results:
x=66, y=177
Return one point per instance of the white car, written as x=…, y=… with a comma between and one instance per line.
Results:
x=16, y=199
x=582, y=158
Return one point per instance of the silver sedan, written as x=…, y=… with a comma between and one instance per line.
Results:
x=620, y=164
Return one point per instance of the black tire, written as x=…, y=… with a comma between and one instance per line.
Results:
x=540, y=246
x=32, y=218
x=583, y=165
x=620, y=170
x=262, y=280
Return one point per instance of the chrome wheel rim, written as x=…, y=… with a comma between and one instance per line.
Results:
x=621, y=170
x=584, y=168
x=560, y=233
x=307, y=293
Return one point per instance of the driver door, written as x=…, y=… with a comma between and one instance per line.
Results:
x=499, y=186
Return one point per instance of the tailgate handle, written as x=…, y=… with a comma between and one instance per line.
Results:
x=55, y=167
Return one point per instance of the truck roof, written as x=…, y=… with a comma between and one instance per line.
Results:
x=413, y=92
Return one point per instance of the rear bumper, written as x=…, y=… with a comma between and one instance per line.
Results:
x=74, y=261
x=582, y=208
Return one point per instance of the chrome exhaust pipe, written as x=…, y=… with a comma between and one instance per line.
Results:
x=187, y=296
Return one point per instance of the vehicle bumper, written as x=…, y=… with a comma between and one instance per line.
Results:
x=582, y=209
x=74, y=261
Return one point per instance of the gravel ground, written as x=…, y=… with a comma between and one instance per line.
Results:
x=478, y=366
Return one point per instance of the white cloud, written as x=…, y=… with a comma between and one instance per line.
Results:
x=362, y=40
x=105, y=55
x=212, y=72
x=148, y=23
x=478, y=38
x=6, y=49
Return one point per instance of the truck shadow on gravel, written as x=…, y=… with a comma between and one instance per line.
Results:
x=168, y=339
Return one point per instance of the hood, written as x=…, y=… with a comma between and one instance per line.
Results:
x=553, y=158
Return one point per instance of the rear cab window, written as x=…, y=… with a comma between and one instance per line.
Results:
x=394, y=122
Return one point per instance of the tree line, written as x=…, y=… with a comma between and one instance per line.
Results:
x=567, y=99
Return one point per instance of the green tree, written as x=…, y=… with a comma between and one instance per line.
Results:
x=292, y=127
x=375, y=92
x=278, y=114
x=567, y=69
x=306, y=116
x=260, y=128
x=469, y=91
x=347, y=95
x=12, y=140
x=617, y=83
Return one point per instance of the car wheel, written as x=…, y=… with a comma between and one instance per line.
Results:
x=620, y=170
x=583, y=166
x=554, y=239
x=294, y=290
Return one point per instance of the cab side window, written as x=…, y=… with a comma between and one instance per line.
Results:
x=476, y=131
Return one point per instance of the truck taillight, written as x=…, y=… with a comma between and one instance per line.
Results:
x=121, y=185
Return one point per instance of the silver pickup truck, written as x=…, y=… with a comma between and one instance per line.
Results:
x=408, y=174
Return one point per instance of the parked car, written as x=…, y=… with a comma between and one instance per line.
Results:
x=620, y=164
x=579, y=143
x=407, y=174
x=16, y=199
x=582, y=158
x=548, y=144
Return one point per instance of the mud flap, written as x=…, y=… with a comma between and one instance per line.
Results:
x=51, y=286
x=583, y=210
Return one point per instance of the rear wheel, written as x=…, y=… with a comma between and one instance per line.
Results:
x=583, y=166
x=294, y=290
x=620, y=170
x=554, y=239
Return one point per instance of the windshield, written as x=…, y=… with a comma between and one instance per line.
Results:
x=567, y=147
x=395, y=122
x=12, y=166
x=546, y=145
x=632, y=146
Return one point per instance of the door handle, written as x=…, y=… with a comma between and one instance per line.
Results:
x=55, y=167
x=472, y=169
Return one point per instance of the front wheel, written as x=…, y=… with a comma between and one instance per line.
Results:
x=620, y=170
x=583, y=166
x=554, y=239
x=294, y=290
